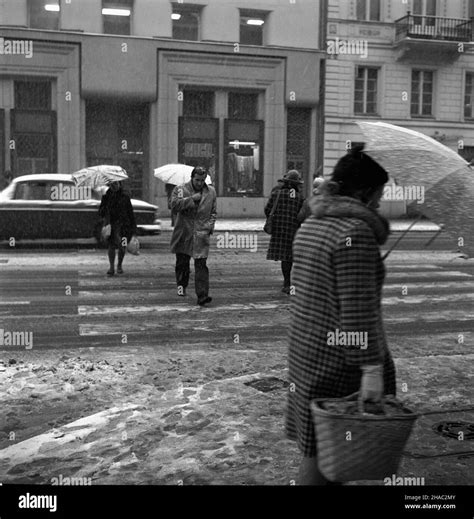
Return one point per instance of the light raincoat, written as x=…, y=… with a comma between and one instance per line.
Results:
x=194, y=222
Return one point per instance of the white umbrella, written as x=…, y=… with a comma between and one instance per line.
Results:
x=176, y=174
x=97, y=176
x=408, y=155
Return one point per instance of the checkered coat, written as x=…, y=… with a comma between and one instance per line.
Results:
x=338, y=276
x=285, y=221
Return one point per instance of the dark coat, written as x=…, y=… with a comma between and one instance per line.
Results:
x=194, y=222
x=338, y=276
x=116, y=209
x=285, y=221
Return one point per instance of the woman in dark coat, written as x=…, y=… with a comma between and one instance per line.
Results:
x=116, y=209
x=338, y=278
x=285, y=222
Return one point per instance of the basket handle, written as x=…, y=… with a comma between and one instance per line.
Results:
x=360, y=404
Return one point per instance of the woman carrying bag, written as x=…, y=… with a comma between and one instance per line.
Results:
x=282, y=209
x=116, y=210
x=338, y=278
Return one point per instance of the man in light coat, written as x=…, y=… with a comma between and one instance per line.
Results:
x=194, y=204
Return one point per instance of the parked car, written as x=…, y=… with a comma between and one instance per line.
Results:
x=51, y=206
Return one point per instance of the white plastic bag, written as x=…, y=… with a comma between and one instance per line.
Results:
x=106, y=232
x=133, y=246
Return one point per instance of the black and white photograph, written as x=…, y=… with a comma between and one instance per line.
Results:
x=236, y=251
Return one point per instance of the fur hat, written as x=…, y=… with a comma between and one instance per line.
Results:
x=293, y=177
x=356, y=170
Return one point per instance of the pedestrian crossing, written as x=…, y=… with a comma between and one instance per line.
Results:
x=81, y=307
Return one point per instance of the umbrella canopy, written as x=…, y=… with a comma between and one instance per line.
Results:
x=446, y=179
x=449, y=204
x=409, y=156
x=176, y=174
x=97, y=176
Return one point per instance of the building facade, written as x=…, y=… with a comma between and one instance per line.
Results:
x=233, y=85
x=410, y=63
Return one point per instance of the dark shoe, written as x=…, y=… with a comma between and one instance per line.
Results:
x=119, y=270
x=181, y=291
x=204, y=300
x=110, y=273
x=286, y=290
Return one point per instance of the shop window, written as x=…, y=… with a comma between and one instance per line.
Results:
x=44, y=14
x=243, y=174
x=186, y=21
x=467, y=153
x=2, y=147
x=252, y=26
x=33, y=95
x=116, y=16
x=298, y=133
x=34, y=134
x=117, y=133
x=199, y=143
x=242, y=105
x=198, y=103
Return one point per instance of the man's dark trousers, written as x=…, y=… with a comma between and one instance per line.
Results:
x=201, y=274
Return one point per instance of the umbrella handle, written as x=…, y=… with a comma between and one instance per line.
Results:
x=401, y=237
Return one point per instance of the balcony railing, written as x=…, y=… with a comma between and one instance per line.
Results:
x=433, y=28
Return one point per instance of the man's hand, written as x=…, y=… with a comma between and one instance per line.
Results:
x=371, y=386
x=196, y=197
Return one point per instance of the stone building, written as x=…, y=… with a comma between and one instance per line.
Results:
x=408, y=62
x=230, y=84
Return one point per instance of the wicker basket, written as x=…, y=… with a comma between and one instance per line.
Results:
x=355, y=447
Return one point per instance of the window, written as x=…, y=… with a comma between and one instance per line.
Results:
x=199, y=143
x=33, y=191
x=243, y=157
x=298, y=131
x=467, y=153
x=43, y=14
x=368, y=10
x=185, y=20
x=365, y=95
x=469, y=96
x=117, y=133
x=242, y=106
x=198, y=103
x=421, y=93
x=2, y=147
x=32, y=95
x=427, y=9
x=116, y=16
x=252, y=26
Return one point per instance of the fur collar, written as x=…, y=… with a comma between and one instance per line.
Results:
x=337, y=206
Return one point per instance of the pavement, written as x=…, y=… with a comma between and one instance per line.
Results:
x=128, y=384
x=256, y=224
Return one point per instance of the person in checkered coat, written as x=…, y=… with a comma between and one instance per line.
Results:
x=289, y=201
x=338, y=276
